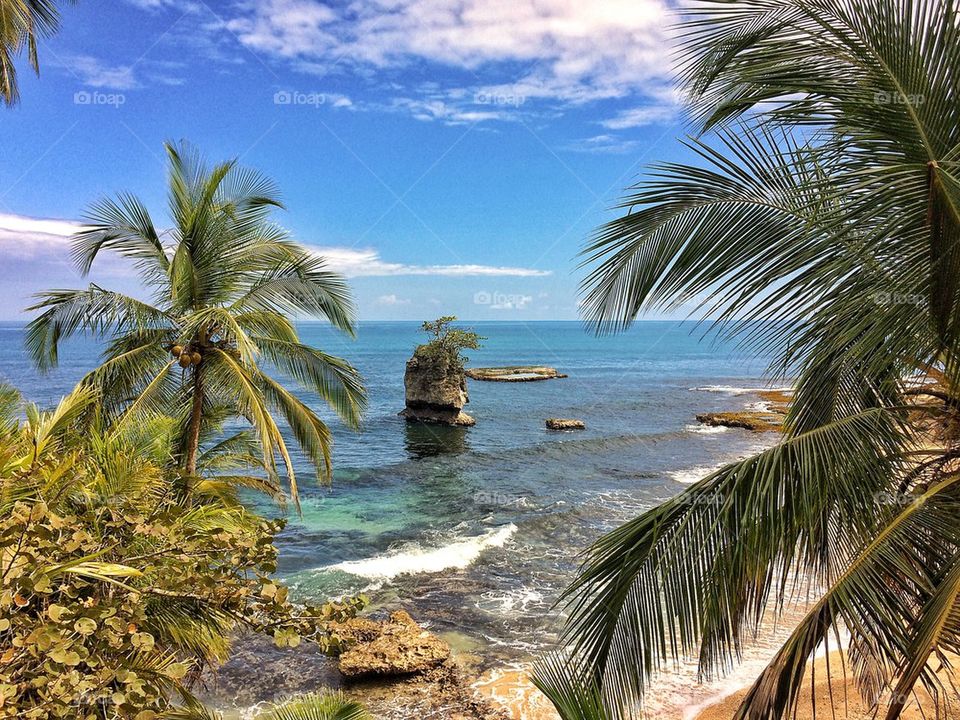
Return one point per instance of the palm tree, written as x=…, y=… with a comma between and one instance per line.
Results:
x=819, y=222
x=224, y=281
x=21, y=22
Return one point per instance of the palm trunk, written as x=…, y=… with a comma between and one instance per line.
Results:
x=196, y=415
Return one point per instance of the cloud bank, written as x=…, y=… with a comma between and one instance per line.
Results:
x=43, y=239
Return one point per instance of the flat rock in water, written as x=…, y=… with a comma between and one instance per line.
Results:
x=514, y=373
x=565, y=424
x=753, y=421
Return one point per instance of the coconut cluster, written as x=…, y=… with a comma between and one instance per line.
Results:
x=187, y=356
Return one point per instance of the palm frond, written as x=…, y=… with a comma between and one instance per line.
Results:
x=316, y=706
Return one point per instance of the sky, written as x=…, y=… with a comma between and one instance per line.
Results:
x=448, y=156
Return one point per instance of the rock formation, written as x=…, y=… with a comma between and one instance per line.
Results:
x=395, y=647
x=436, y=390
x=767, y=415
x=515, y=373
x=747, y=420
x=565, y=424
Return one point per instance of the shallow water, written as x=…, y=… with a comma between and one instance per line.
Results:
x=477, y=530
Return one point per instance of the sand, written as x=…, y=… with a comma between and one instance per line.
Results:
x=847, y=703
x=511, y=689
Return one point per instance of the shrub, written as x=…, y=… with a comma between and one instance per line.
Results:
x=448, y=342
x=121, y=583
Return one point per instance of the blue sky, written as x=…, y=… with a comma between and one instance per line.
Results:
x=449, y=156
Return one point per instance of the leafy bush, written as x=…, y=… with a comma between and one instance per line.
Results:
x=448, y=342
x=121, y=580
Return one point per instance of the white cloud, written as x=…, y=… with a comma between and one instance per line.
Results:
x=392, y=300
x=49, y=239
x=609, y=144
x=355, y=262
x=27, y=238
x=95, y=73
x=181, y=5
x=46, y=242
x=92, y=72
x=638, y=117
x=451, y=114
x=574, y=51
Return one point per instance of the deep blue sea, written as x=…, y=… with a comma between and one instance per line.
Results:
x=476, y=530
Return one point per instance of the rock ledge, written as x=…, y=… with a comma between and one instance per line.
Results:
x=514, y=373
x=565, y=424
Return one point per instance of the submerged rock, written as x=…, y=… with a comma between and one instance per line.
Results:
x=398, y=646
x=565, y=424
x=435, y=390
x=515, y=373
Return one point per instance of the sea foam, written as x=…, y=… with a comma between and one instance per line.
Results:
x=732, y=390
x=415, y=559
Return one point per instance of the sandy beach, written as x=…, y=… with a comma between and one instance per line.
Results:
x=835, y=697
x=838, y=698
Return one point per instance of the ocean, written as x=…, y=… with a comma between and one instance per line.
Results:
x=477, y=530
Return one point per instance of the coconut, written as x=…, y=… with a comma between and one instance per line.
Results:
x=196, y=358
x=176, y=350
x=185, y=360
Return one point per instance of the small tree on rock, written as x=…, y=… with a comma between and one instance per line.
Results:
x=448, y=341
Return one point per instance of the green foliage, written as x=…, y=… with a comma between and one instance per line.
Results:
x=316, y=706
x=22, y=23
x=225, y=281
x=819, y=222
x=121, y=583
x=448, y=341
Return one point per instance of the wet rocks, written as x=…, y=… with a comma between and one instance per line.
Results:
x=764, y=416
x=435, y=390
x=514, y=373
x=565, y=424
x=398, y=646
x=747, y=420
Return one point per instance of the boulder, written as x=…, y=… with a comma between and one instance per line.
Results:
x=514, y=373
x=398, y=646
x=565, y=424
x=436, y=391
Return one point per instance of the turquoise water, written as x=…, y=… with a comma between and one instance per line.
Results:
x=478, y=529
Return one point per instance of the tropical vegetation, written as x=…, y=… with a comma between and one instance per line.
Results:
x=448, y=341
x=124, y=581
x=225, y=281
x=819, y=221
x=22, y=23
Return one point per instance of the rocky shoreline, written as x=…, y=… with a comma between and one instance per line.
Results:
x=397, y=668
x=768, y=415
